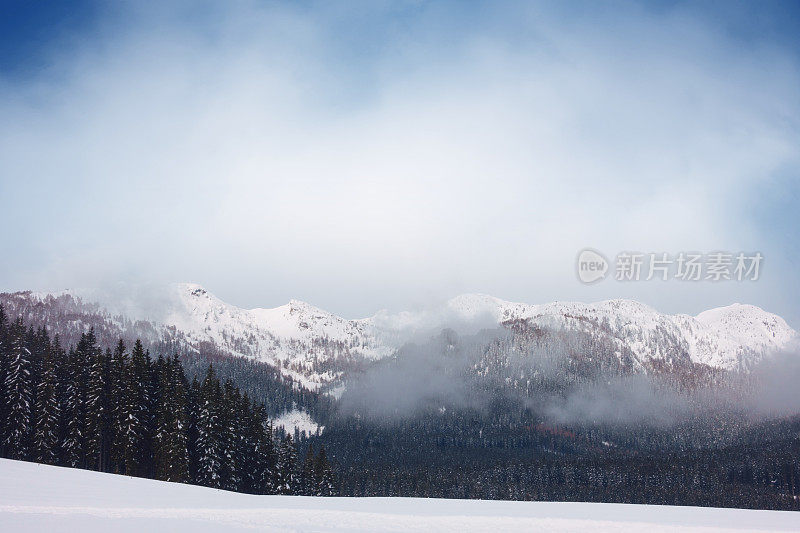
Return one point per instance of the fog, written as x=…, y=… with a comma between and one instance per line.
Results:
x=471, y=371
x=775, y=389
x=431, y=375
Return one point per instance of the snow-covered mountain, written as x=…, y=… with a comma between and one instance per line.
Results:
x=317, y=348
x=310, y=345
x=732, y=338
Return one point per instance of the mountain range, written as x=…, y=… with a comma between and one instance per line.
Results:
x=318, y=349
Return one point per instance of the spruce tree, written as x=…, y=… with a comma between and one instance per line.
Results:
x=77, y=402
x=308, y=478
x=192, y=415
x=264, y=451
x=229, y=413
x=118, y=372
x=46, y=437
x=135, y=450
x=150, y=409
x=171, y=453
x=324, y=475
x=62, y=372
x=18, y=394
x=3, y=373
x=247, y=462
x=99, y=411
x=210, y=438
x=286, y=482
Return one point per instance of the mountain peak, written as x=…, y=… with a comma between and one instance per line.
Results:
x=194, y=289
x=302, y=336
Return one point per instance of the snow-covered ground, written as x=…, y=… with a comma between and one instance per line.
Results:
x=297, y=419
x=45, y=498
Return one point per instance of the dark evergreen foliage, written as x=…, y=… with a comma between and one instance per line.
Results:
x=124, y=413
x=18, y=392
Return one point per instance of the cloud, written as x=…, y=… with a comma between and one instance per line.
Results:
x=269, y=152
x=478, y=371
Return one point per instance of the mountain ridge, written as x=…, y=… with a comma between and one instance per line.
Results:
x=317, y=348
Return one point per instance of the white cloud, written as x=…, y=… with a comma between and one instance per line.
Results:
x=256, y=157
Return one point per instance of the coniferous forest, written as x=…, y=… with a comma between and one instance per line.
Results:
x=122, y=411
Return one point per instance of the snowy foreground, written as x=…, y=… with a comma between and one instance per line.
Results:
x=45, y=498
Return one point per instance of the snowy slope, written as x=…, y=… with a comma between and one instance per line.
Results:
x=733, y=337
x=744, y=329
x=298, y=337
x=297, y=420
x=317, y=348
x=47, y=498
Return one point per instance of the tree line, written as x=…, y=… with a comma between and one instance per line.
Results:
x=124, y=412
x=502, y=453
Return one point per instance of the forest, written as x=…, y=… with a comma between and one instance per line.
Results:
x=125, y=412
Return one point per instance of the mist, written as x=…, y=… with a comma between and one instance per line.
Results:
x=419, y=378
x=448, y=371
x=775, y=386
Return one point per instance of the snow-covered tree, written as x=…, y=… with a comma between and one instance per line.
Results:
x=134, y=414
x=171, y=451
x=324, y=475
x=48, y=408
x=18, y=394
x=286, y=480
x=308, y=475
x=210, y=438
x=99, y=411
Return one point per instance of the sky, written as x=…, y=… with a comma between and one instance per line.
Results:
x=370, y=155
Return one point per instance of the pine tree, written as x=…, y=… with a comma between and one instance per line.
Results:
x=46, y=437
x=118, y=372
x=247, y=462
x=230, y=473
x=286, y=482
x=152, y=395
x=3, y=374
x=192, y=415
x=210, y=438
x=324, y=475
x=37, y=342
x=171, y=453
x=135, y=452
x=264, y=451
x=99, y=411
x=308, y=478
x=62, y=372
x=77, y=402
x=18, y=394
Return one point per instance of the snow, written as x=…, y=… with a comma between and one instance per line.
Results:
x=296, y=336
x=301, y=339
x=732, y=338
x=336, y=392
x=297, y=419
x=46, y=498
x=744, y=326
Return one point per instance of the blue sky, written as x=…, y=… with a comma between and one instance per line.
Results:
x=386, y=154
